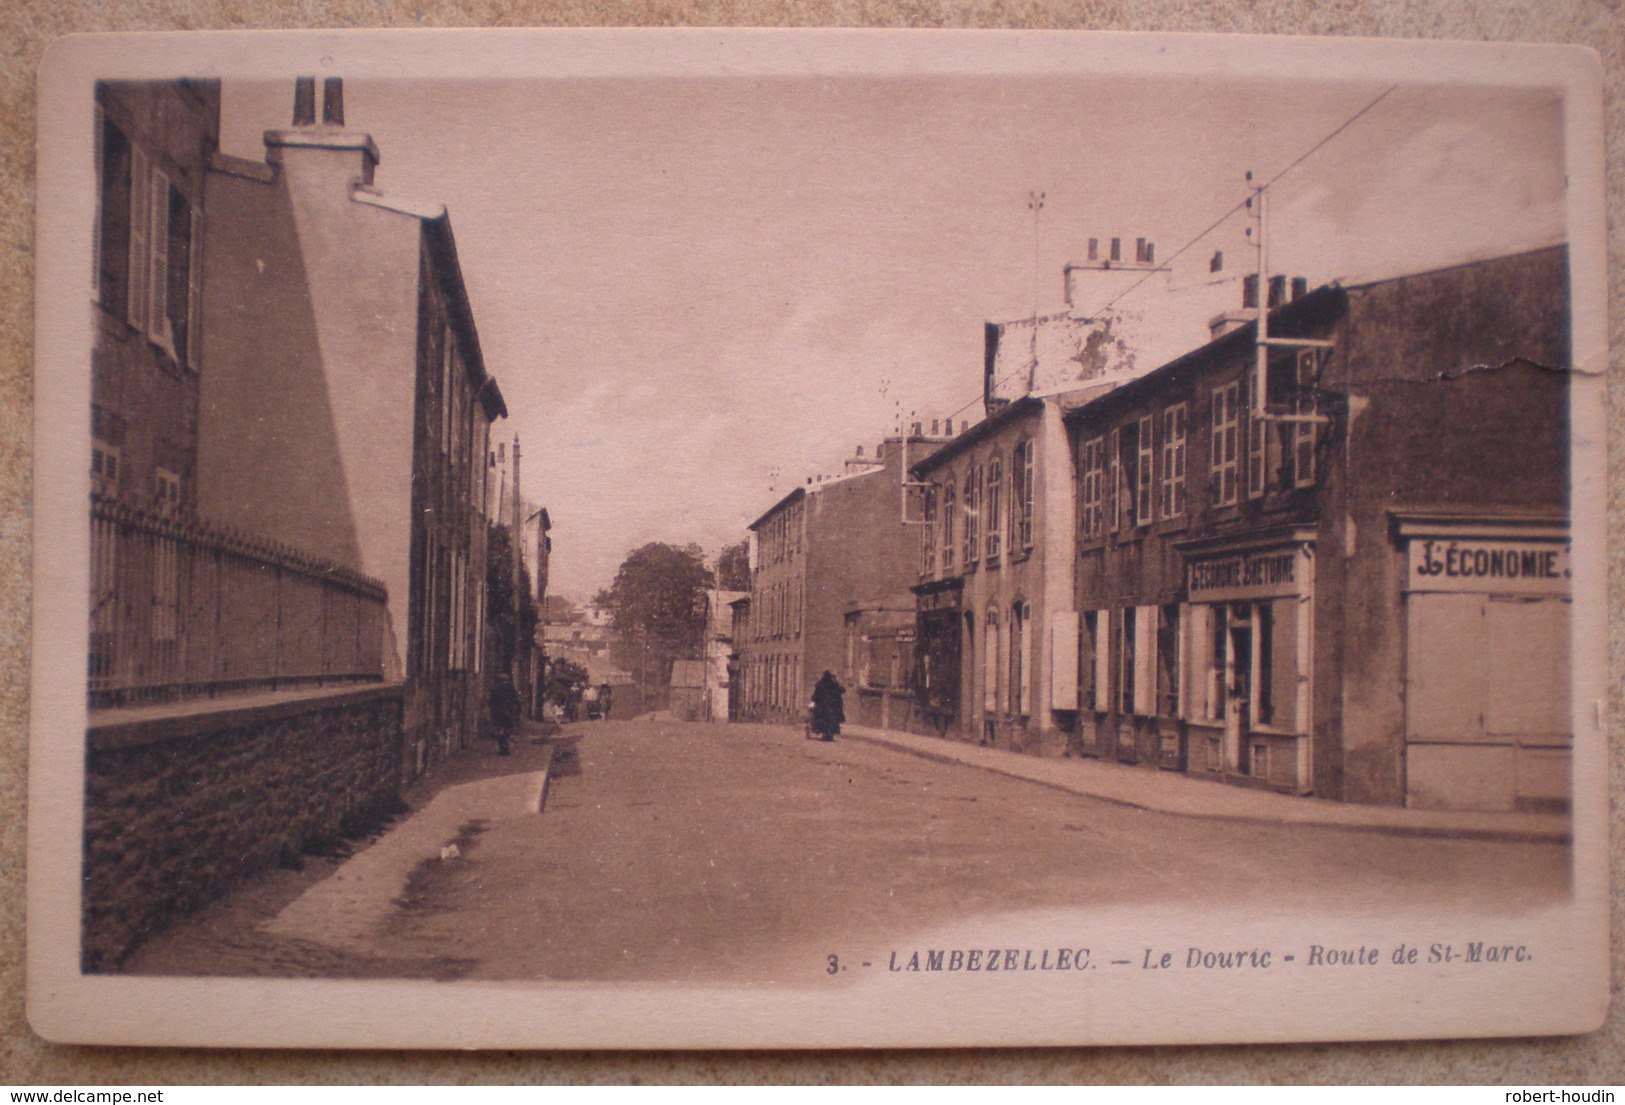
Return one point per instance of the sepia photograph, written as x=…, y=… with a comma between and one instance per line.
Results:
x=829, y=539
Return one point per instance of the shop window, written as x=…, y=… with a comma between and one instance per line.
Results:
x=994, y=513
x=1169, y=661
x=1173, y=461
x=1223, y=459
x=1092, y=466
x=1127, y=627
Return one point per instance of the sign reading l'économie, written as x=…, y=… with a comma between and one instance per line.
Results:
x=1500, y=567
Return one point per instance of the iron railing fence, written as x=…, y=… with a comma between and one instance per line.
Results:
x=180, y=609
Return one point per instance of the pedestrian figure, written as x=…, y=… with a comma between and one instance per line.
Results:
x=504, y=712
x=605, y=697
x=828, y=711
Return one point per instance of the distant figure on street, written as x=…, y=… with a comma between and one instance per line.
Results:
x=605, y=697
x=595, y=708
x=828, y=711
x=504, y=712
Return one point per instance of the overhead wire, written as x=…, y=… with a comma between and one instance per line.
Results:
x=1211, y=227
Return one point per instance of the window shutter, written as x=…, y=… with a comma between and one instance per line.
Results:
x=140, y=212
x=194, y=293
x=1103, y=660
x=1063, y=664
x=158, y=275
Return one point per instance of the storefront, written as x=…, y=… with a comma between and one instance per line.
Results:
x=938, y=671
x=1487, y=612
x=1248, y=646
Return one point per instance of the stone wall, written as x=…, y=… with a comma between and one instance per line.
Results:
x=183, y=801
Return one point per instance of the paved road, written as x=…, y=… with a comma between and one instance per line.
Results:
x=684, y=852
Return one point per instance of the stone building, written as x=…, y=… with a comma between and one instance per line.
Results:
x=820, y=553
x=347, y=303
x=1352, y=582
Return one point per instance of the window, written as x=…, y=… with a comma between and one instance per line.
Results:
x=1092, y=464
x=928, y=531
x=148, y=248
x=166, y=493
x=949, y=507
x=1173, y=461
x=1303, y=435
x=104, y=469
x=1020, y=657
x=1114, y=478
x=1021, y=498
x=1143, y=472
x=973, y=515
x=1226, y=423
x=994, y=514
x=1258, y=450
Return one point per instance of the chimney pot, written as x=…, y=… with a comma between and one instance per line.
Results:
x=1249, y=290
x=304, y=102
x=934, y=427
x=333, y=101
x=1300, y=286
x=1277, y=290
x=1117, y=249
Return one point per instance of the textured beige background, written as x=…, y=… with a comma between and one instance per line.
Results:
x=26, y=26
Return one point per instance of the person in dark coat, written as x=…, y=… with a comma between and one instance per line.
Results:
x=504, y=712
x=828, y=710
x=605, y=697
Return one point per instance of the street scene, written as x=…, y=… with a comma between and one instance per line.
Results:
x=787, y=517
x=746, y=853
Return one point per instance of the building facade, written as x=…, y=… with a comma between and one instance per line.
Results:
x=349, y=306
x=994, y=579
x=1346, y=574
x=818, y=554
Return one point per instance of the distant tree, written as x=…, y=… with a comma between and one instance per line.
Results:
x=733, y=567
x=656, y=605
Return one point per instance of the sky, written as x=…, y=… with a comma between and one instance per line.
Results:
x=697, y=292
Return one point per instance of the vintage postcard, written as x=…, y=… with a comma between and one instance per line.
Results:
x=731, y=539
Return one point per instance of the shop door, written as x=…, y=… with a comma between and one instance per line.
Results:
x=1487, y=701
x=1239, y=693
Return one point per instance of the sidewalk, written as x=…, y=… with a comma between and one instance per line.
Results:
x=347, y=909
x=1170, y=792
